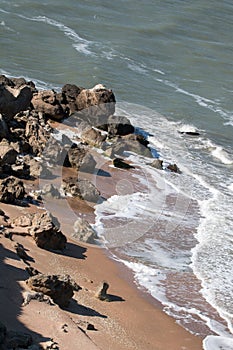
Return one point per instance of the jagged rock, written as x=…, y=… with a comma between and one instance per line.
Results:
x=14, y=97
x=48, y=103
x=59, y=287
x=119, y=163
x=21, y=171
x=45, y=231
x=23, y=220
x=157, y=163
x=83, y=189
x=17, y=340
x=37, y=133
x=55, y=152
x=8, y=154
x=71, y=92
x=88, y=164
x=2, y=332
x=102, y=292
x=119, y=125
x=174, y=168
x=11, y=190
x=83, y=231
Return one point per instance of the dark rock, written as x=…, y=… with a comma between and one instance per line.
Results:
x=83, y=231
x=88, y=164
x=14, y=99
x=4, y=131
x=8, y=154
x=75, y=156
x=11, y=190
x=83, y=189
x=59, y=287
x=118, y=125
x=119, y=163
x=101, y=293
x=129, y=143
x=32, y=271
x=93, y=137
x=174, y=168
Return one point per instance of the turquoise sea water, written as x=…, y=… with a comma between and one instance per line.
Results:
x=168, y=57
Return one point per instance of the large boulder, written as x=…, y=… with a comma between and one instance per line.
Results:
x=129, y=143
x=71, y=91
x=44, y=229
x=83, y=189
x=59, y=287
x=15, y=95
x=83, y=231
x=48, y=103
x=93, y=137
x=11, y=190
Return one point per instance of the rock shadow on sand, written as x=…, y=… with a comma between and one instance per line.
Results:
x=76, y=308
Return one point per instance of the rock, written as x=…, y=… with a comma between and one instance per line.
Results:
x=101, y=293
x=71, y=92
x=47, y=102
x=83, y=189
x=83, y=231
x=118, y=125
x=8, y=154
x=93, y=137
x=75, y=156
x=90, y=327
x=17, y=340
x=80, y=158
x=39, y=169
x=174, y=168
x=119, y=163
x=59, y=287
x=14, y=98
x=129, y=143
x=37, y=133
x=50, y=191
x=4, y=131
x=157, y=163
x=23, y=220
x=46, y=233
x=11, y=190
x=2, y=332
x=21, y=252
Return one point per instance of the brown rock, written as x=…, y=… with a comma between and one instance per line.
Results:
x=157, y=163
x=174, y=168
x=48, y=103
x=93, y=137
x=45, y=231
x=59, y=287
x=11, y=190
x=8, y=154
x=83, y=189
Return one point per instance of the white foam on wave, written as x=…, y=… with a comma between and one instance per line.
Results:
x=81, y=44
x=186, y=128
x=222, y=155
x=212, y=342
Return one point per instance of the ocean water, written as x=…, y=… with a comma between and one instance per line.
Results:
x=170, y=66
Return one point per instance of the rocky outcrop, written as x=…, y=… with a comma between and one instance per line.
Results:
x=59, y=287
x=129, y=143
x=83, y=189
x=11, y=190
x=83, y=231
